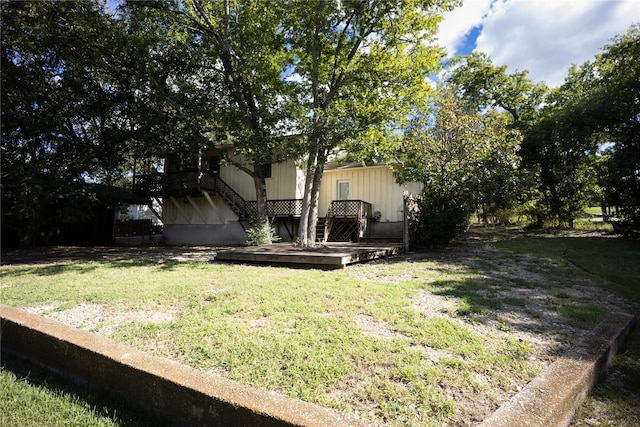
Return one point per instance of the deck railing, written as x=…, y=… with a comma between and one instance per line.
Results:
x=287, y=208
x=347, y=220
x=350, y=209
x=188, y=183
x=184, y=183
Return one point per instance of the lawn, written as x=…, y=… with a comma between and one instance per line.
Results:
x=614, y=263
x=433, y=338
x=31, y=398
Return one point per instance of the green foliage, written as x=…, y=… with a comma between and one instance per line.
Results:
x=464, y=159
x=56, y=103
x=593, y=106
x=261, y=233
x=488, y=86
x=563, y=128
x=615, y=109
x=73, y=114
x=359, y=68
x=440, y=221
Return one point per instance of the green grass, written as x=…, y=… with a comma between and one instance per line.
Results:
x=614, y=263
x=587, y=225
x=301, y=333
x=103, y=282
x=31, y=398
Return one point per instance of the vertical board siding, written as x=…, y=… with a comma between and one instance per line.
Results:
x=373, y=184
x=221, y=215
x=241, y=182
x=283, y=183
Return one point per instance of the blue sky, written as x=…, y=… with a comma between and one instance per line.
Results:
x=542, y=36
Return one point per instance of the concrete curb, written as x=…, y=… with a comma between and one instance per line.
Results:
x=163, y=389
x=181, y=396
x=552, y=398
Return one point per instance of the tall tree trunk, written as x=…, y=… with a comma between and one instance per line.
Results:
x=315, y=195
x=261, y=196
x=305, y=235
x=303, y=226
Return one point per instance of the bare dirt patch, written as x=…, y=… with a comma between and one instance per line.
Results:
x=433, y=305
x=97, y=317
x=528, y=313
x=373, y=328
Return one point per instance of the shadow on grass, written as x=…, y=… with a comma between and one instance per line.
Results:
x=102, y=405
x=81, y=267
x=615, y=259
x=474, y=297
x=614, y=263
x=493, y=286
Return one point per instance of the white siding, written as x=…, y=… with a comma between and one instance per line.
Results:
x=283, y=184
x=373, y=184
x=239, y=181
x=220, y=213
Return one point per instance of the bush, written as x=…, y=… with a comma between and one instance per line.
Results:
x=440, y=221
x=261, y=233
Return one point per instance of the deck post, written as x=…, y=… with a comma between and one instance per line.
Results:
x=405, y=222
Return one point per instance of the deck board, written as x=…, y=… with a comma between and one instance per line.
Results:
x=328, y=256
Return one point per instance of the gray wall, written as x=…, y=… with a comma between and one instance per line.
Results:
x=204, y=234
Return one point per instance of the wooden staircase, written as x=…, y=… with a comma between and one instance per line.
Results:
x=232, y=199
x=320, y=230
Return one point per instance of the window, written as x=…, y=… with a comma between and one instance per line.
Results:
x=343, y=190
x=265, y=170
x=214, y=164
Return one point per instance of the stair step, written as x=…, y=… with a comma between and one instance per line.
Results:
x=320, y=237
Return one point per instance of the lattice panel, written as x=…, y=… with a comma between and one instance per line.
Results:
x=346, y=208
x=343, y=230
x=284, y=208
x=278, y=208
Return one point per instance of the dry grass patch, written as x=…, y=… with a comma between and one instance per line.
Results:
x=440, y=338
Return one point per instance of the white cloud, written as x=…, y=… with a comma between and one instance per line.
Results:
x=459, y=22
x=542, y=36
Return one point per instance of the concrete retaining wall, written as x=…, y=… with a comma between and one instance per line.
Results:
x=166, y=390
x=182, y=396
x=550, y=400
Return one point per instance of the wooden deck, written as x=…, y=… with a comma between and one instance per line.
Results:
x=326, y=256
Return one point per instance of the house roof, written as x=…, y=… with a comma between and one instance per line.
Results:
x=353, y=165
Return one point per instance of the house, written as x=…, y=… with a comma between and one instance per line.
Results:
x=205, y=202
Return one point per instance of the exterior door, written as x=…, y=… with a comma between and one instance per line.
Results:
x=344, y=190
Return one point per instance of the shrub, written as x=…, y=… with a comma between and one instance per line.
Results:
x=440, y=220
x=261, y=232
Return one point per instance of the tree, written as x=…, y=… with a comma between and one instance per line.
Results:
x=331, y=71
x=61, y=115
x=359, y=67
x=561, y=145
x=558, y=141
x=240, y=52
x=615, y=108
x=597, y=104
x=462, y=157
x=489, y=86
